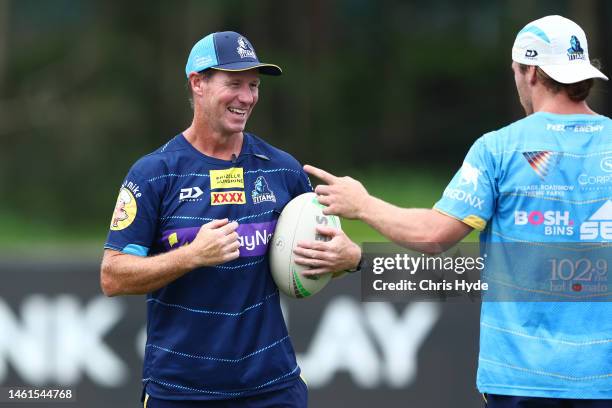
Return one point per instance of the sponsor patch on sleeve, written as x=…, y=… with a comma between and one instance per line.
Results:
x=475, y=221
x=125, y=210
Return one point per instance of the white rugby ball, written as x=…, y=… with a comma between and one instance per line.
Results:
x=298, y=222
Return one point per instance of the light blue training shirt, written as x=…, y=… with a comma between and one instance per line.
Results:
x=543, y=180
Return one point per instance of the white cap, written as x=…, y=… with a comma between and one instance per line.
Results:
x=558, y=46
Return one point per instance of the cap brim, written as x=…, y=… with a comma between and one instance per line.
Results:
x=572, y=73
x=266, y=69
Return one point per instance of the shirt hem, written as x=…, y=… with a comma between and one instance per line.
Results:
x=546, y=393
x=151, y=388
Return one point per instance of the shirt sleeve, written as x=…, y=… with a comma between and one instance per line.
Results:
x=471, y=195
x=134, y=220
x=297, y=180
x=302, y=184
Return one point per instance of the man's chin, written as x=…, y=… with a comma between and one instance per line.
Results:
x=235, y=129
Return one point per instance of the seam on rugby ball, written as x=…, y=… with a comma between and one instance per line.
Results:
x=291, y=256
x=299, y=290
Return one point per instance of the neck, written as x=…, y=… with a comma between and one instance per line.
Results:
x=213, y=143
x=545, y=101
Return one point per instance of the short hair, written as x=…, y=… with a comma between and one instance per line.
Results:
x=577, y=91
x=206, y=74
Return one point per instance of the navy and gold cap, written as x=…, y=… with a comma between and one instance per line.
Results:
x=226, y=51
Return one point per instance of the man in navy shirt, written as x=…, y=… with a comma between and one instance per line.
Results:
x=191, y=229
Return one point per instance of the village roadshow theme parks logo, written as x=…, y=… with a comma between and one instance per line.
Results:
x=514, y=272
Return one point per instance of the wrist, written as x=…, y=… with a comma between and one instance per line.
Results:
x=189, y=259
x=362, y=212
x=358, y=260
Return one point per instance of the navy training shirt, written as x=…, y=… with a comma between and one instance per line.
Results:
x=216, y=332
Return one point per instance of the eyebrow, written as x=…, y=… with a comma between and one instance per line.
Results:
x=231, y=80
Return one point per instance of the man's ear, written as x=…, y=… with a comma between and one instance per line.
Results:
x=197, y=83
x=532, y=74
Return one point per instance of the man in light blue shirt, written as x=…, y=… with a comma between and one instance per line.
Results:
x=544, y=179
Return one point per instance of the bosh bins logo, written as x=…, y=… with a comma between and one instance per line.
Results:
x=551, y=222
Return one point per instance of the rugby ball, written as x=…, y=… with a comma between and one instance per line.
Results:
x=298, y=222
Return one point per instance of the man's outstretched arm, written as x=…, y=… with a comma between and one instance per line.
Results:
x=418, y=228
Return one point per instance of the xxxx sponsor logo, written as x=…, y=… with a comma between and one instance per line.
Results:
x=227, y=197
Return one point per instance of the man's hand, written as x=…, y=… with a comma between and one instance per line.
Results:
x=343, y=196
x=125, y=274
x=216, y=243
x=337, y=254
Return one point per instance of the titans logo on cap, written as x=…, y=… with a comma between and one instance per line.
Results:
x=575, y=51
x=244, y=49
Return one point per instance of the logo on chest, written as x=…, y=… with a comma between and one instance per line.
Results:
x=190, y=193
x=227, y=178
x=253, y=238
x=262, y=191
x=232, y=178
x=227, y=197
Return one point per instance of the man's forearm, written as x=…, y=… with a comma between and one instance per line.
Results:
x=124, y=274
x=420, y=229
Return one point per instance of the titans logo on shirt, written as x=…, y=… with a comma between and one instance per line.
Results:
x=262, y=191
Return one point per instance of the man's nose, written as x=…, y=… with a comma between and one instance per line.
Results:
x=246, y=95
